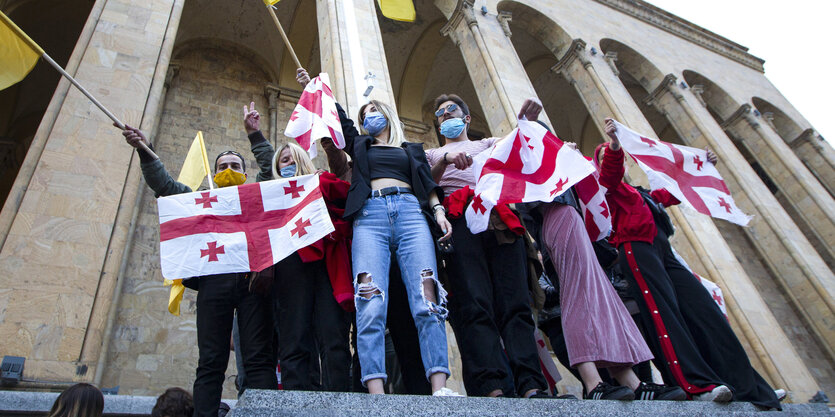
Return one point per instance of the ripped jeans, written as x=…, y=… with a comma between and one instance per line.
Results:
x=385, y=224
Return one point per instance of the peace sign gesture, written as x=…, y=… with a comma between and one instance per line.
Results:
x=252, y=120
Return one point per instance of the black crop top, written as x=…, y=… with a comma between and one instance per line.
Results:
x=389, y=162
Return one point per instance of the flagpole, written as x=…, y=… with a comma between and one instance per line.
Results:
x=93, y=99
x=284, y=36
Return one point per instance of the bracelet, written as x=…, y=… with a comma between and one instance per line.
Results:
x=445, y=154
x=441, y=206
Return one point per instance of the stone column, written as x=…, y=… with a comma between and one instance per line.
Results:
x=818, y=156
x=803, y=274
x=272, y=93
x=69, y=222
x=351, y=48
x=811, y=202
x=485, y=45
x=604, y=95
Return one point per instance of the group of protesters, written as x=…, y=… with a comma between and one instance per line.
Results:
x=402, y=261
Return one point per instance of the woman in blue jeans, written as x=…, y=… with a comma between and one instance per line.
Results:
x=391, y=188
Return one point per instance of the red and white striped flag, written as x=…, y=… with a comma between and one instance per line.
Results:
x=239, y=229
x=315, y=116
x=595, y=208
x=529, y=164
x=684, y=172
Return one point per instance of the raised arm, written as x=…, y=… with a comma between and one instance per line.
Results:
x=156, y=176
x=261, y=148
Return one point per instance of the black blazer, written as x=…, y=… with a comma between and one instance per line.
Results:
x=357, y=146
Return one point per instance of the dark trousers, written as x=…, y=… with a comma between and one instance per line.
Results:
x=309, y=316
x=715, y=339
x=660, y=288
x=218, y=298
x=490, y=304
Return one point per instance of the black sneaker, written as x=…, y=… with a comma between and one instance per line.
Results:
x=544, y=394
x=604, y=391
x=650, y=391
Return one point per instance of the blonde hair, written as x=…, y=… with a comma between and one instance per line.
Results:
x=304, y=165
x=396, y=135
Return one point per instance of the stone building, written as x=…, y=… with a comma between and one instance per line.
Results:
x=80, y=286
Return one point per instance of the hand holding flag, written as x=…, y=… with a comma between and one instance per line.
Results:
x=530, y=164
x=315, y=116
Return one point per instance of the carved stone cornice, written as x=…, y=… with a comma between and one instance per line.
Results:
x=659, y=18
x=611, y=58
x=170, y=74
x=667, y=85
x=414, y=126
x=809, y=136
x=463, y=11
x=272, y=93
x=504, y=19
x=742, y=113
x=577, y=51
x=697, y=91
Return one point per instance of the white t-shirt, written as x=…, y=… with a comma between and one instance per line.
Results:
x=454, y=178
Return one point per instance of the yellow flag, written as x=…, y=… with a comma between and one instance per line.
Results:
x=196, y=165
x=176, y=295
x=271, y=2
x=18, y=53
x=402, y=10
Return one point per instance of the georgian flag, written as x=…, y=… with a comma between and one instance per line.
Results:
x=684, y=172
x=529, y=164
x=315, y=116
x=239, y=229
x=595, y=208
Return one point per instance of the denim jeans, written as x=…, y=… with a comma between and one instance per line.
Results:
x=386, y=224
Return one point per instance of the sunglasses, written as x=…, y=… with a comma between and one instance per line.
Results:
x=451, y=108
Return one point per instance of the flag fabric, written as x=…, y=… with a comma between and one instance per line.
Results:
x=18, y=53
x=529, y=164
x=715, y=293
x=546, y=362
x=315, y=116
x=240, y=229
x=402, y=10
x=271, y=2
x=196, y=166
x=595, y=208
x=684, y=172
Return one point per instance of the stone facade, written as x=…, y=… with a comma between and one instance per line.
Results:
x=79, y=234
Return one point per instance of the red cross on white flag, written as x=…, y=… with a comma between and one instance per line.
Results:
x=239, y=229
x=529, y=164
x=683, y=172
x=315, y=116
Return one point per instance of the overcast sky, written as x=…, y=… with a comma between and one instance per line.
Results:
x=793, y=37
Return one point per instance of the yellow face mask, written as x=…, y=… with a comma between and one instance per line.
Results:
x=229, y=178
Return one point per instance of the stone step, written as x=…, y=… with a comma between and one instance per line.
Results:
x=258, y=403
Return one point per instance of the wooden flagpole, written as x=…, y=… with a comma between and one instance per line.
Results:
x=93, y=99
x=284, y=36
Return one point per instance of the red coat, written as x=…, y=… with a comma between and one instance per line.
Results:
x=631, y=217
x=334, y=248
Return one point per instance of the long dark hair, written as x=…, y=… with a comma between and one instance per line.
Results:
x=79, y=400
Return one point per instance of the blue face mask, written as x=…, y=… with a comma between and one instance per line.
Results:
x=288, y=171
x=452, y=128
x=374, y=123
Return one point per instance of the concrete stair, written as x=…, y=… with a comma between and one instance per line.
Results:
x=256, y=403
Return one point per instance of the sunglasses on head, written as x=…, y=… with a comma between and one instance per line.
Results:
x=450, y=108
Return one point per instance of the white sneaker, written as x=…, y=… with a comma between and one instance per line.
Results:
x=446, y=392
x=720, y=394
x=780, y=393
